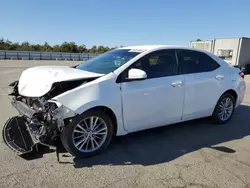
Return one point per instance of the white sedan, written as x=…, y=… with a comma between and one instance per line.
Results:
x=121, y=91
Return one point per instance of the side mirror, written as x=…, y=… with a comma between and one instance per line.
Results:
x=136, y=74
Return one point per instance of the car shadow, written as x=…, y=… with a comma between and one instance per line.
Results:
x=164, y=144
x=41, y=150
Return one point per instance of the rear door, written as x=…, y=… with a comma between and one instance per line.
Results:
x=204, y=82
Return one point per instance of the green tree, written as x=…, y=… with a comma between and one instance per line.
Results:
x=2, y=44
x=47, y=47
x=93, y=49
x=82, y=48
x=100, y=49
x=64, y=47
x=73, y=47
x=68, y=47
x=25, y=46
x=56, y=48
x=37, y=47
x=14, y=46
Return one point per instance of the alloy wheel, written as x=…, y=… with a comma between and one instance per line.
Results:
x=226, y=109
x=89, y=134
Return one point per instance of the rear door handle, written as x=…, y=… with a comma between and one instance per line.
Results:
x=177, y=84
x=219, y=77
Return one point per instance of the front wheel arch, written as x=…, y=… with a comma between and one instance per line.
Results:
x=110, y=113
x=67, y=137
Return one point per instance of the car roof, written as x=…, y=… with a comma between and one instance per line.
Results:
x=145, y=49
x=156, y=47
x=151, y=48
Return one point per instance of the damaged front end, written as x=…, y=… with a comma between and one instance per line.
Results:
x=41, y=119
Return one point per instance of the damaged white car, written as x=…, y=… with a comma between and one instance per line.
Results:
x=121, y=91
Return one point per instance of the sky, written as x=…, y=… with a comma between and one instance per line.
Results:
x=123, y=22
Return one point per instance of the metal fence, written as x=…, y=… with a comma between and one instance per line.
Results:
x=32, y=55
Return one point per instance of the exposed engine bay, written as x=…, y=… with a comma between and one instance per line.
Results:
x=41, y=119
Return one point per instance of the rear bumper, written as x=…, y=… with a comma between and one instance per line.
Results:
x=241, y=93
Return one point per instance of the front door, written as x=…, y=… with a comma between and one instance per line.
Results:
x=157, y=100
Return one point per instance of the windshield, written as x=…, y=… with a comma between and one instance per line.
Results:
x=109, y=61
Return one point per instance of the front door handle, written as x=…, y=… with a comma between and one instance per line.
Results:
x=219, y=77
x=177, y=84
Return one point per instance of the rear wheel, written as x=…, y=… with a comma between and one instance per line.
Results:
x=224, y=109
x=89, y=134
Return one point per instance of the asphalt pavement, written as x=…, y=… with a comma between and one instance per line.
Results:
x=192, y=154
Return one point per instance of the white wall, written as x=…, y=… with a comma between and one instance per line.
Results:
x=227, y=44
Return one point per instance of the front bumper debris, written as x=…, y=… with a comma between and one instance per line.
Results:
x=16, y=135
x=40, y=123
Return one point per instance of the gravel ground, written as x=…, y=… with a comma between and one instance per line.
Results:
x=192, y=154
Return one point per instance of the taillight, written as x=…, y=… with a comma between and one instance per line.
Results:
x=242, y=75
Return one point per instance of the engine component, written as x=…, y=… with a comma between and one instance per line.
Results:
x=16, y=135
x=23, y=108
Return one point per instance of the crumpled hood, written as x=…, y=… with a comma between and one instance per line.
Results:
x=37, y=81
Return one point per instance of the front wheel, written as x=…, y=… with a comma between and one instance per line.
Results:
x=88, y=134
x=224, y=109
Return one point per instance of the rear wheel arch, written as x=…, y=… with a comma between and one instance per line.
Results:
x=232, y=92
x=222, y=114
x=229, y=91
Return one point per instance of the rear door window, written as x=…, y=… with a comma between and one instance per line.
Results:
x=195, y=62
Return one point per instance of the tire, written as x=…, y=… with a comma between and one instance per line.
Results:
x=72, y=129
x=216, y=114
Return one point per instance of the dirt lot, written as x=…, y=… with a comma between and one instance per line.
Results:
x=193, y=154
